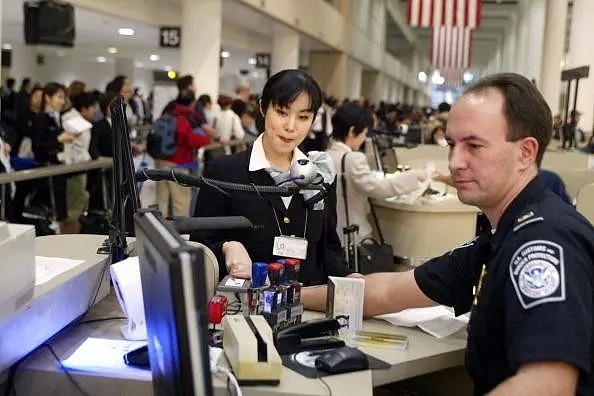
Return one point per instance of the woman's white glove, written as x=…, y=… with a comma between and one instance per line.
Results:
x=237, y=260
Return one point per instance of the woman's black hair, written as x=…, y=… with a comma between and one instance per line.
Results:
x=50, y=90
x=351, y=115
x=285, y=86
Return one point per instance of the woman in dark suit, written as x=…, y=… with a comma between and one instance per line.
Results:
x=47, y=140
x=290, y=100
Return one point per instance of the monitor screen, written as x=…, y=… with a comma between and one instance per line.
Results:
x=174, y=291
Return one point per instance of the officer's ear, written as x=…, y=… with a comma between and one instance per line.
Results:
x=527, y=152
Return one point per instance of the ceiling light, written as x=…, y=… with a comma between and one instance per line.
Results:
x=436, y=78
x=60, y=53
x=252, y=61
x=422, y=77
x=225, y=54
x=255, y=74
x=101, y=59
x=139, y=65
x=126, y=31
x=154, y=57
x=112, y=50
x=467, y=77
x=167, y=68
x=7, y=47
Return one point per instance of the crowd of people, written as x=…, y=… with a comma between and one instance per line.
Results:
x=527, y=278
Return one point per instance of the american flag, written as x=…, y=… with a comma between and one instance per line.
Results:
x=451, y=47
x=431, y=13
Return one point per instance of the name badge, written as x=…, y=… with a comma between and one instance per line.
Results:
x=287, y=246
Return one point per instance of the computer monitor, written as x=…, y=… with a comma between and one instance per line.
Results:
x=174, y=290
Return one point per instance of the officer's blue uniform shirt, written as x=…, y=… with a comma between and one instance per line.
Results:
x=535, y=300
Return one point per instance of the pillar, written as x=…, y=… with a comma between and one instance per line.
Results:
x=125, y=66
x=580, y=54
x=202, y=23
x=554, y=37
x=353, y=83
x=329, y=69
x=536, y=17
x=285, y=49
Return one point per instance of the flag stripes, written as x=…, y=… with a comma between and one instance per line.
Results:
x=451, y=47
x=430, y=13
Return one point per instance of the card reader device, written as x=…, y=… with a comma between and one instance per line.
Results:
x=249, y=346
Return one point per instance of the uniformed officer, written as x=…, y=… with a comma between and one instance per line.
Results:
x=528, y=282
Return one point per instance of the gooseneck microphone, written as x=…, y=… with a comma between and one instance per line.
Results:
x=185, y=225
x=223, y=186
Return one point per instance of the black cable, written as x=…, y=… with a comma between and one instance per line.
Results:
x=103, y=271
x=327, y=386
x=65, y=370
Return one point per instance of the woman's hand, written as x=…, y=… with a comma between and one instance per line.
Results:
x=66, y=137
x=440, y=177
x=237, y=260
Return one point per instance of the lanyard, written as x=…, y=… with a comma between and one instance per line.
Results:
x=280, y=232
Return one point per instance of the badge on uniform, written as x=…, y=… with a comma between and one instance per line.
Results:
x=288, y=246
x=538, y=274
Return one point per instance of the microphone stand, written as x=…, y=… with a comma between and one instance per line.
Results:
x=124, y=184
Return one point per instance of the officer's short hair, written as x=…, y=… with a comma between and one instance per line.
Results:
x=525, y=110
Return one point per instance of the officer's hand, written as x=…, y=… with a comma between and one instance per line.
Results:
x=237, y=260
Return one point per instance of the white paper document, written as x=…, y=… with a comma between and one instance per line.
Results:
x=101, y=355
x=438, y=321
x=47, y=268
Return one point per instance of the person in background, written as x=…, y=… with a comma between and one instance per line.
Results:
x=227, y=123
x=528, y=280
x=289, y=102
x=186, y=84
x=437, y=136
x=350, y=124
x=183, y=159
x=48, y=139
x=84, y=105
x=207, y=108
x=21, y=104
x=101, y=146
x=138, y=106
x=321, y=130
x=7, y=113
x=22, y=142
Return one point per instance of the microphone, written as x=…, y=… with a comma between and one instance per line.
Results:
x=186, y=225
x=303, y=172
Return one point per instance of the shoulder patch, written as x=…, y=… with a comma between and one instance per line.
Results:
x=537, y=272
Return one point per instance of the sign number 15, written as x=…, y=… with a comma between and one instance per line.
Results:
x=170, y=36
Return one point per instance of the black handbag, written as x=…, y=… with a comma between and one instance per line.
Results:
x=372, y=256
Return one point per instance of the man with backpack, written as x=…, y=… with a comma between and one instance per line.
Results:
x=173, y=143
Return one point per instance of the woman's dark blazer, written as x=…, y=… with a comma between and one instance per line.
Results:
x=44, y=138
x=324, y=252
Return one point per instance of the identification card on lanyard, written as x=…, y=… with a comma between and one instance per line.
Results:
x=289, y=246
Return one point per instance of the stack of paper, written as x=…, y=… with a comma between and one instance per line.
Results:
x=438, y=321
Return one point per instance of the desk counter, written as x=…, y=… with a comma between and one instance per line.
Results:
x=40, y=374
x=422, y=230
